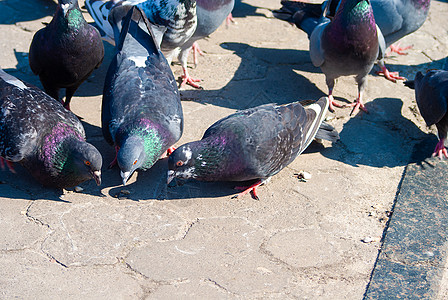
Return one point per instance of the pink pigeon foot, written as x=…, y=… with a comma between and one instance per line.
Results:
x=187, y=79
x=440, y=150
x=196, y=50
x=392, y=76
x=245, y=190
x=114, y=162
x=229, y=20
x=357, y=105
x=9, y=164
x=333, y=104
x=399, y=50
x=168, y=152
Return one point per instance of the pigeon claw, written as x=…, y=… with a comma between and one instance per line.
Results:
x=357, y=105
x=186, y=79
x=252, y=189
x=440, y=150
x=392, y=76
x=399, y=50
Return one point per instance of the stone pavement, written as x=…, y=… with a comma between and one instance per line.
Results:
x=331, y=237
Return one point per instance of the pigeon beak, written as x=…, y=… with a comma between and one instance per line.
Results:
x=125, y=176
x=65, y=8
x=97, y=177
x=171, y=175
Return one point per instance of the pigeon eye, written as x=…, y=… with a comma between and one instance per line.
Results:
x=87, y=163
x=180, y=163
x=135, y=161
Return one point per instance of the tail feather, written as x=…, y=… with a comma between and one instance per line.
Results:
x=327, y=132
x=306, y=16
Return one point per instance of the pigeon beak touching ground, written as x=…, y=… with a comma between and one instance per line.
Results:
x=96, y=175
x=125, y=176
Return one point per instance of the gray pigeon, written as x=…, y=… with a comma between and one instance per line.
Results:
x=431, y=94
x=48, y=140
x=348, y=44
x=395, y=18
x=66, y=52
x=253, y=144
x=141, y=110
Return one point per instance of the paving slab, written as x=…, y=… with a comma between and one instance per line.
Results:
x=328, y=238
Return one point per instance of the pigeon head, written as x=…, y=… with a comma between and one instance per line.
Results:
x=67, y=5
x=131, y=156
x=85, y=161
x=181, y=163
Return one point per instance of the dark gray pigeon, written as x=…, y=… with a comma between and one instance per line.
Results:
x=141, y=111
x=48, y=140
x=431, y=94
x=66, y=52
x=348, y=44
x=252, y=144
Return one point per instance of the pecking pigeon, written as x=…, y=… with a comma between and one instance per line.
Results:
x=48, y=140
x=431, y=94
x=141, y=110
x=66, y=52
x=208, y=15
x=253, y=144
x=347, y=44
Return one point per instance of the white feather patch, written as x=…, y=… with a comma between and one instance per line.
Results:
x=140, y=61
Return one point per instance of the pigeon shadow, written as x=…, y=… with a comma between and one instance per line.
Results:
x=15, y=11
x=381, y=138
x=256, y=80
x=242, y=10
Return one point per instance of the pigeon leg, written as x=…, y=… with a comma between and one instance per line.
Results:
x=114, y=162
x=399, y=50
x=196, y=50
x=252, y=189
x=187, y=79
x=332, y=103
x=9, y=164
x=69, y=92
x=440, y=149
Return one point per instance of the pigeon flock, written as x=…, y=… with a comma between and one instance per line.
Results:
x=141, y=108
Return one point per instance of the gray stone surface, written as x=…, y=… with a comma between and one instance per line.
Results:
x=302, y=240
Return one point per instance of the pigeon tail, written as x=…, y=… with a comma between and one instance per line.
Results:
x=315, y=113
x=327, y=132
x=136, y=30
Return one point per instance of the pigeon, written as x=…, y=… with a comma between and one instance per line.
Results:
x=208, y=15
x=431, y=94
x=252, y=144
x=48, y=140
x=141, y=109
x=66, y=52
x=347, y=44
x=395, y=19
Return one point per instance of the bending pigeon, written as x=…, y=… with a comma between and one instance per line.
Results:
x=48, y=140
x=252, y=144
x=66, y=52
x=431, y=94
x=141, y=110
x=345, y=45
